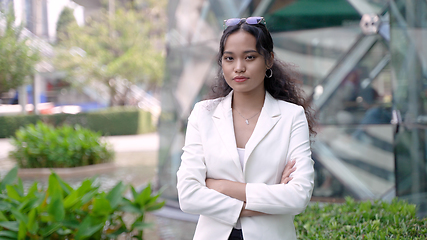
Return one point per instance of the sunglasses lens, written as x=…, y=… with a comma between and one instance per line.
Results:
x=253, y=20
x=232, y=22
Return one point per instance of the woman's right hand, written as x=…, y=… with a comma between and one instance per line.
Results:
x=289, y=168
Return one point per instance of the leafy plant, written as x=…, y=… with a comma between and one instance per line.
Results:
x=43, y=146
x=361, y=220
x=62, y=212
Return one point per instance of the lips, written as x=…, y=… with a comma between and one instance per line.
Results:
x=240, y=79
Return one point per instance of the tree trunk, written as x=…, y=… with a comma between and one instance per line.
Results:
x=112, y=96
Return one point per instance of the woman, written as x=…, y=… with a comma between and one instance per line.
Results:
x=237, y=145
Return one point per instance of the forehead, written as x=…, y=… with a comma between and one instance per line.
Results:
x=240, y=41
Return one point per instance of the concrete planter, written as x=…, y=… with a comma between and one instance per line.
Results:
x=84, y=171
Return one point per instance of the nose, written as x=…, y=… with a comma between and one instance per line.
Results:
x=240, y=66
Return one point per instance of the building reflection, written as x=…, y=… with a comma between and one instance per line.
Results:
x=364, y=68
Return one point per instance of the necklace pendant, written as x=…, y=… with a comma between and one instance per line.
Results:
x=247, y=122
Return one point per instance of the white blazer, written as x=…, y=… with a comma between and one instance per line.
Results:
x=280, y=135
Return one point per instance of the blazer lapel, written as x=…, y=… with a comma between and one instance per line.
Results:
x=270, y=115
x=223, y=119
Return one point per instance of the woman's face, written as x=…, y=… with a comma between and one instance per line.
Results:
x=244, y=68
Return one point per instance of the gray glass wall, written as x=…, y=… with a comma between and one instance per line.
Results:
x=364, y=80
x=408, y=21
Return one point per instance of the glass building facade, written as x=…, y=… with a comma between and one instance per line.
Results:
x=363, y=64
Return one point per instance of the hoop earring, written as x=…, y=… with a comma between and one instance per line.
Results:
x=269, y=75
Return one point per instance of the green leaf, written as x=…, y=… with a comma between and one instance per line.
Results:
x=11, y=225
x=134, y=193
x=116, y=194
x=65, y=186
x=5, y=206
x=9, y=178
x=20, y=187
x=71, y=199
x=144, y=196
x=154, y=207
x=12, y=193
x=32, y=225
x=56, y=208
x=10, y=234
x=131, y=209
x=85, y=187
x=2, y=217
x=22, y=231
x=101, y=207
x=88, y=196
x=54, y=187
x=88, y=227
x=50, y=229
x=29, y=204
x=71, y=223
x=18, y=215
x=142, y=225
x=32, y=189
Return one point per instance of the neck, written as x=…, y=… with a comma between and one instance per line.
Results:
x=248, y=103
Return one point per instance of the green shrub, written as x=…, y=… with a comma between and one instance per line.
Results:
x=361, y=220
x=110, y=122
x=62, y=212
x=10, y=124
x=43, y=146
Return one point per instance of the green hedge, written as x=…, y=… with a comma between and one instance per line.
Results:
x=361, y=220
x=110, y=122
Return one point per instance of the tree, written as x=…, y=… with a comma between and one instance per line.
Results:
x=17, y=58
x=114, y=52
x=65, y=18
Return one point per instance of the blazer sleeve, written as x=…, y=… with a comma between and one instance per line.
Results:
x=194, y=196
x=291, y=198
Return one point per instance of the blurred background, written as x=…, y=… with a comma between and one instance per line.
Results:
x=363, y=65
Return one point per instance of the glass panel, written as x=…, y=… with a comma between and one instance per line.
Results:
x=187, y=69
x=377, y=4
x=193, y=38
x=29, y=15
x=409, y=49
x=408, y=26
x=310, y=14
x=359, y=99
x=360, y=158
x=314, y=52
x=411, y=166
x=201, y=20
x=44, y=21
x=370, y=6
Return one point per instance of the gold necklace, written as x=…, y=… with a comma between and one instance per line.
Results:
x=247, y=119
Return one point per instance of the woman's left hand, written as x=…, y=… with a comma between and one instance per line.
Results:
x=289, y=168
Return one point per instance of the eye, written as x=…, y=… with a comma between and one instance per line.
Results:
x=250, y=57
x=227, y=58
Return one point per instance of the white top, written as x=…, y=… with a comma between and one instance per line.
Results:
x=241, y=152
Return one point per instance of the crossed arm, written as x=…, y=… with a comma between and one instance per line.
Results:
x=237, y=190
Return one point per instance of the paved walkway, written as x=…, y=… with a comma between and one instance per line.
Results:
x=136, y=158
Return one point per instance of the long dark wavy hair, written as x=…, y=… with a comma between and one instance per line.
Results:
x=283, y=85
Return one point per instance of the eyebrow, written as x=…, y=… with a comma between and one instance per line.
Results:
x=248, y=51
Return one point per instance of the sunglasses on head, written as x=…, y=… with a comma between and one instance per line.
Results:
x=250, y=20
